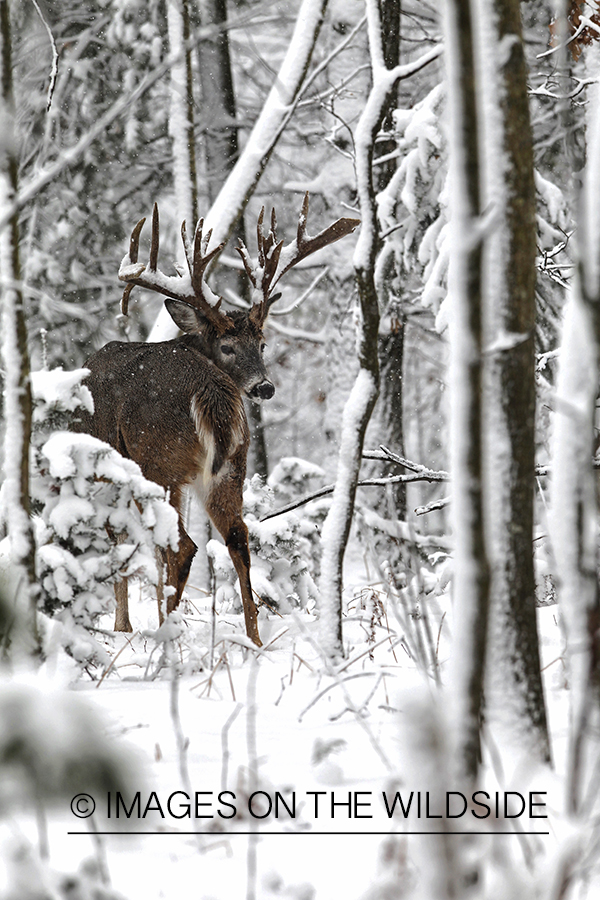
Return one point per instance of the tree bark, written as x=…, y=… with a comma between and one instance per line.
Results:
x=391, y=343
x=17, y=388
x=471, y=577
x=514, y=692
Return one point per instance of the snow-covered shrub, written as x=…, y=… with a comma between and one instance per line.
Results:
x=53, y=747
x=87, y=496
x=294, y=478
x=283, y=548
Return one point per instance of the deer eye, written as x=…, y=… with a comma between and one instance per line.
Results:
x=262, y=348
x=226, y=350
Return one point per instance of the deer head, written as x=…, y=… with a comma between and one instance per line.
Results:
x=233, y=340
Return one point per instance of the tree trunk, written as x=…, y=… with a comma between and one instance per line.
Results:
x=574, y=516
x=181, y=113
x=17, y=388
x=471, y=577
x=391, y=342
x=363, y=396
x=514, y=692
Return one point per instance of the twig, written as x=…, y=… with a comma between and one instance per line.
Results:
x=181, y=741
x=430, y=507
x=251, y=860
x=225, y=745
x=54, y=68
x=330, y=687
x=369, y=649
x=113, y=661
x=428, y=475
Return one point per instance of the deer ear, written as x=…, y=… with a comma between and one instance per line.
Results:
x=189, y=319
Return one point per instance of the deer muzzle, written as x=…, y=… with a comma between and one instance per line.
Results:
x=264, y=390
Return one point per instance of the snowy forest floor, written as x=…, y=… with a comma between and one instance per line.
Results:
x=283, y=723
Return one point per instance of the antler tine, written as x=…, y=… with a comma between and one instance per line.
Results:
x=134, y=241
x=305, y=246
x=260, y=237
x=302, y=219
x=202, y=259
x=154, y=241
x=243, y=251
x=134, y=249
x=150, y=277
x=275, y=260
x=125, y=299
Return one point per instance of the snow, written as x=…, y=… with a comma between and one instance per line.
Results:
x=58, y=388
x=311, y=731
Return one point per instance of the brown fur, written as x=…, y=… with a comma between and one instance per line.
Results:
x=173, y=409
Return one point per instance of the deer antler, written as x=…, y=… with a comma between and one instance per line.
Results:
x=189, y=287
x=274, y=260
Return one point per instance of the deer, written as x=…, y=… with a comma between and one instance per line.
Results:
x=176, y=407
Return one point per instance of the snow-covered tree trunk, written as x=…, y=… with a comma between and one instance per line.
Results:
x=181, y=113
x=363, y=395
x=393, y=319
x=279, y=106
x=574, y=519
x=471, y=575
x=181, y=131
x=514, y=695
x=15, y=359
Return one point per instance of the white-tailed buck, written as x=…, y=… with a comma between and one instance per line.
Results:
x=176, y=407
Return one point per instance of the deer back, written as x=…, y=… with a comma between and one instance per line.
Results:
x=168, y=407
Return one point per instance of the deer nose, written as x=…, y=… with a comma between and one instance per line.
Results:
x=262, y=391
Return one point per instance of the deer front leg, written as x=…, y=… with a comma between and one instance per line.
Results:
x=237, y=544
x=224, y=506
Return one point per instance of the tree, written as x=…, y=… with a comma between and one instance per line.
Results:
x=363, y=396
x=514, y=692
x=574, y=517
x=17, y=388
x=472, y=574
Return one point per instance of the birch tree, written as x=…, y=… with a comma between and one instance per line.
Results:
x=17, y=388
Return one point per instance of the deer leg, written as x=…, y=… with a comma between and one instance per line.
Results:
x=237, y=544
x=178, y=563
x=224, y=506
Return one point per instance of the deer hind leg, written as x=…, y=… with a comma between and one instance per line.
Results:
x=178, y=565
x=224, y=506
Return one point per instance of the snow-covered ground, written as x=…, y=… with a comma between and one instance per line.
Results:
x=277, y=728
